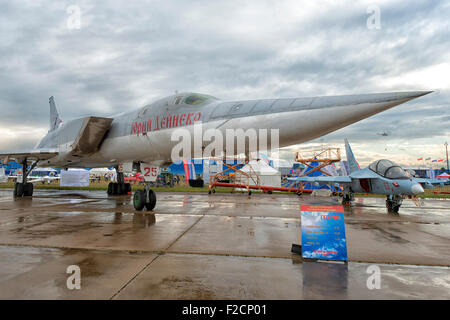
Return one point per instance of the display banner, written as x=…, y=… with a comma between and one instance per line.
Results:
x=323, y=232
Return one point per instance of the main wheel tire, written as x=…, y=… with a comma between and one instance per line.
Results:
x=110, y=188
x=151, y=203
x=139, y=200
x=120, y=188
x=116, y=188
x=28, y=189
x=20, y=190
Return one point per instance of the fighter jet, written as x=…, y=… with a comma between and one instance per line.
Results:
x=143, y=137
x=382, y=177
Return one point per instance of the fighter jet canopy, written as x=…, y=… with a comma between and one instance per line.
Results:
x=388, y=169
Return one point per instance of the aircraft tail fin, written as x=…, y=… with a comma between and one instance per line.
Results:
x=351, y=161
x=54, y=116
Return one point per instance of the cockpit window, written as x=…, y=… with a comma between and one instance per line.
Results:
x=195, y=99
x=388, y=169
x=177, y=99
x=396, y=173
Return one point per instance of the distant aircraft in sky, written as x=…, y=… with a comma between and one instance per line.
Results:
x=142, y=137
x=381, y=177
x=383, y=133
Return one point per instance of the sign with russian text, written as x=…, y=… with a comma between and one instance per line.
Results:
x=323, y=232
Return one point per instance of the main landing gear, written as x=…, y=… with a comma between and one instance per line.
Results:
x=24, y=188
x=393, y=203
x=119, y=187
x=144, y=198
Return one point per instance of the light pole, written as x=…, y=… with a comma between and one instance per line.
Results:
x=446, y=152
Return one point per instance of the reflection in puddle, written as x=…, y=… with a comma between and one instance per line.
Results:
x=25, y=202
x=324, y=279
x=187, y=200
x=142, y=220
x=118, y=218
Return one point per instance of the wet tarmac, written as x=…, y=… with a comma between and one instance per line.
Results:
x=220, y=246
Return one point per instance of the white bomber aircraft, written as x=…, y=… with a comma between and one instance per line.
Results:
x=143, y=137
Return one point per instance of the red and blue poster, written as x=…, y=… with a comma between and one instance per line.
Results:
x=323, y=232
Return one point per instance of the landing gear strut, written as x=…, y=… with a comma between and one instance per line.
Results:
x=144, y=198
x=119, y=187
x=393, y=203
x=24, y=188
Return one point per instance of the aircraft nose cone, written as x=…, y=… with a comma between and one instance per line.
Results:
x=417, y=189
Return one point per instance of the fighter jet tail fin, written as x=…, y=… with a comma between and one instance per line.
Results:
x=54, y=116
x=351, y=161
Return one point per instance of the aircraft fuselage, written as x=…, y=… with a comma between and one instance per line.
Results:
x=145, y=134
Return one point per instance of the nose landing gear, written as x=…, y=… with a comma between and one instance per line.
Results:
x=393, y=203
x=144, y=198
x=348, y=198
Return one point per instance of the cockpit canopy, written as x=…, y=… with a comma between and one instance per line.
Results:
x=181, y=100
x=388, y=169
x=192, y=99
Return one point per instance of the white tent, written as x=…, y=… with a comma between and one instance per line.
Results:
x=268, y=176
x=74, y=178
x=444, y=176
x=3, y=177
x=284, y=166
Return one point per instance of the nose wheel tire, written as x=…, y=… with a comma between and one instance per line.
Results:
x=151, y=202
x=347, y=199
x=393, y=204
x=139, y=200
x=145, y=199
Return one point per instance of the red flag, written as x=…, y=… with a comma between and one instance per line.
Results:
x=420, y=159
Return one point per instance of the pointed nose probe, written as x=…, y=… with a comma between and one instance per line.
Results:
x=417, y=189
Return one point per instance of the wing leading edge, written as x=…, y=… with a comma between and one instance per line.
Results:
x=34, y=154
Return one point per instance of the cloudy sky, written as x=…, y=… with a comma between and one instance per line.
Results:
x=127, y=53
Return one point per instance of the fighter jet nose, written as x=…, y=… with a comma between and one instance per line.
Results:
x=417, y=189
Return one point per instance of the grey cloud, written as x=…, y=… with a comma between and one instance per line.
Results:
x=127, y=53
